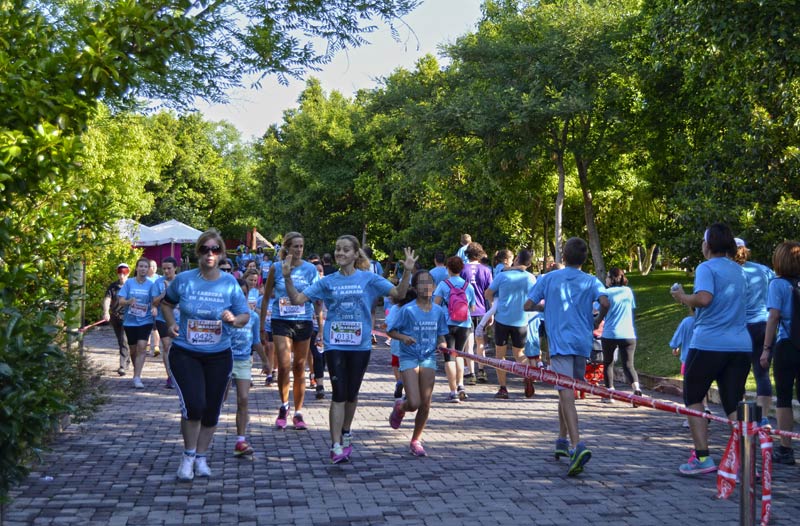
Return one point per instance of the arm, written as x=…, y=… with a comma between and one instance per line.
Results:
x=488, y=295
x=167, y=309
x=399, y=291
x=107, y=308
x=769, y=336
x=237, y=320
x=533, y=307
x=699, y=299
x=402, y=338
x=297, y=298
x=604, y=306
x=265, y=366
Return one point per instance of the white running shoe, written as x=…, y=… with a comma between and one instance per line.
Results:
x=201, y=467
x=186, y=469
x=137, y=383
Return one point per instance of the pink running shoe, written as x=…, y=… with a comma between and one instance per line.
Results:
x=347, y=444
x=298, y=422
x=337, y=454
x=396, y=418
x=280, y=422
x=417, y=450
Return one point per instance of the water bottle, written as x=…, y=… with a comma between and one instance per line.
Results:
x=675, y=286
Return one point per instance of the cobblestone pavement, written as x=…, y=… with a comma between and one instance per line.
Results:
x=490, y=462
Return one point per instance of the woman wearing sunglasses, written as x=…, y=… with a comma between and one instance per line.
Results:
x=200, y=359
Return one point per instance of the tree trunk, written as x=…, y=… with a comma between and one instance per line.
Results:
x=558, y=157
x=648, y=264
x=588, y=211
x=545, y=252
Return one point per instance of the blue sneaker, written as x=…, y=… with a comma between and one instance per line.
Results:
x=579, y=458
x=695, y=467
x=562, y=448
x=765, y=423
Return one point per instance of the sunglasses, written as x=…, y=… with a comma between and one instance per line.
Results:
x=225, y=269
x=204, y=249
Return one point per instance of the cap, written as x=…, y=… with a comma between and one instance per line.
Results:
x=740, y=242
x=123, y=267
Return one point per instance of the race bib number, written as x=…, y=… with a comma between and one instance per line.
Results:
x=138, y=310
x=345, y=333
x=287, y=309
x=203, y=332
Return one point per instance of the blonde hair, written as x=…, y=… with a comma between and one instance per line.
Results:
x=287, y=241
x=362, y=261
x=742, y=255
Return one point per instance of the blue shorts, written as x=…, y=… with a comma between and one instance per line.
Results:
x=407, y=362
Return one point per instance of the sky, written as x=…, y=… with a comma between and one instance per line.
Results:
x=433, y=23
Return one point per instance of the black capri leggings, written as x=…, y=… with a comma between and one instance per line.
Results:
x=456, y=339
x=200, y=380
x=627, y=348
x=346, y=370
x=786, y=370
x=319, y=358
x=763, y=383
x=729, y=369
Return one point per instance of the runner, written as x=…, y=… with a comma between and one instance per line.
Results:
x=568, y=296
x=137, y=294
x=619, y=334
x=114, y=313
x=349, y=295
x=419, y=326
x=292, y=326
x=480, y=277
x=200, y=360
x=170, y=267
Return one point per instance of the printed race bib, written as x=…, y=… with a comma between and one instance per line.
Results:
x=345, y=333
x=288, y=310
x=203, y=332
x=138, y=310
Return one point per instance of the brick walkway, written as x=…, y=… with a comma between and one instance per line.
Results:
x=490, y=462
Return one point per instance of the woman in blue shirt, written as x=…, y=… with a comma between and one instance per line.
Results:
x=786, y=369
x=618, y=332
x=200, y=359
x=136, y=295
x=720, y=348
x=349, y=295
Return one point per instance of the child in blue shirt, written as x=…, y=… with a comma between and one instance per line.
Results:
x=568, y=296
x=419, y=326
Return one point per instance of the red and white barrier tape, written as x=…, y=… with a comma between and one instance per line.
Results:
x=95, y=324
x=729, y=467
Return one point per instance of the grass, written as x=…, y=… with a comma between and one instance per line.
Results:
x=657, y=316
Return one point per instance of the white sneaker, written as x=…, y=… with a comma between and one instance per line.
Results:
x=201, y=467
x=186, y=469
x=137, y=383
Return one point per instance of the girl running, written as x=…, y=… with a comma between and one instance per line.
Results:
x=420, y=326
x=136, y=294
x=349, y=295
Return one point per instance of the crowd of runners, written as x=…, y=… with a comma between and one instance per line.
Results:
x=301, y=316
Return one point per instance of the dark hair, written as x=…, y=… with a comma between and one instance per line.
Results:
x=474, y=251
x=327, y=259
x=455, y=264
x=169, y=259
x=525, y=257
x=502, y=255
x=438, y=256
x=786, y=259
x=250, y=272
x=243, y=283
x=719, y=239
x=485, y=260
x=575, y=251
x=211, y=233
x=368, y=252
x=617, y=277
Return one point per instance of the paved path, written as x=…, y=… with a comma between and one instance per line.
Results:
x=490, y=463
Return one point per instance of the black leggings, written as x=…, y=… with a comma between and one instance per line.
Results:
x=763, y=383
x=346, y=370
x=319, y=358
x=729, y=369
x=456, y=339
x=627, y=348
x=200, y=380
x=786, y=370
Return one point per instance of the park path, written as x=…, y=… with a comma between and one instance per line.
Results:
x=490, y=462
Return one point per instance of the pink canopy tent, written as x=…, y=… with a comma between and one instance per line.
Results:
x=159, y=241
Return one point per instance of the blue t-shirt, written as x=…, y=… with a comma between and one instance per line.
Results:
x=140, y=313
x=394, y=346
x=758, y=278
x=424, y=327
x=683, y=337
x=159, y=288
x=252, y=298
x=462, y=253
x=201, y=304
x=303, y=276
x=568, y=296
x=268, y=317
x=443, y=291
x=532, y=344
x=510, y=290
x=439, y=274
x=619, y=319
x=722, y=326
x=242, y=338
x=780, y=298
x=349, y=300
x=376, y=267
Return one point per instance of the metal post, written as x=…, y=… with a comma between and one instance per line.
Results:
x=746, y=415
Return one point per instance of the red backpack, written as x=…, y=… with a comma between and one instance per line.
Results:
x=457, y=304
